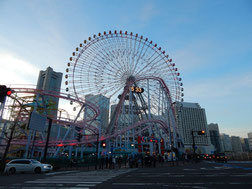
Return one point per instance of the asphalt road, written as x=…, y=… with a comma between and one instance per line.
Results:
x=199, y=175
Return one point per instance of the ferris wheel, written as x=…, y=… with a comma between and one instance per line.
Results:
x=102, y=64
x=134, y=74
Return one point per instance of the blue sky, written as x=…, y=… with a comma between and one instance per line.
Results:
x=210, y=42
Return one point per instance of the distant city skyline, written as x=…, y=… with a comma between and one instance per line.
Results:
x=210, y=42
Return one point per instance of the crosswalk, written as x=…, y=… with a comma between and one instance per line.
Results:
x=73, y=180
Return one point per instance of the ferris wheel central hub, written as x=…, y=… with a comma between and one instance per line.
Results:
x=131, y=79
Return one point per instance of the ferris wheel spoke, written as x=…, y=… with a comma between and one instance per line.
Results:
x=140, y=54
x=111, y=53
x=141, y=59
x=131, y=64
x=148, y=64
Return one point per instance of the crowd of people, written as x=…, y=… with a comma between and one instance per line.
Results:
x=117, y=161
x=131, y=161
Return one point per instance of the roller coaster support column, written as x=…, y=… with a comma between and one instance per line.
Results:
x=64, y=138
x=149, y=117
x=10, y=138
x=70, y=150
x=1, y=115
x=47, y=139
x=31, y=133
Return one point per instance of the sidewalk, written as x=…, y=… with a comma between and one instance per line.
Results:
x=92, y=167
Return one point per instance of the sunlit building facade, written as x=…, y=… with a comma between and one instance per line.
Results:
x=191, y=117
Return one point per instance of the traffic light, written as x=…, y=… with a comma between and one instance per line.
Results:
x=4, y=91
x=79, y=136
x=202, y=132
x=104, y=145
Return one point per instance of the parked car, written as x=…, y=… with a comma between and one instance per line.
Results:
x=26, y=165
x=221, y=157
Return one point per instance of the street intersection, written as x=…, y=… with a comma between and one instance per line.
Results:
x=205, y=174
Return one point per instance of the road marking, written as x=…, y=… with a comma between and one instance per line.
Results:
x=80, y=185
x=136, y=184
x=72, y=179
x=219, y=167
x=229, y=166
x=249, y=162
x=190, y=169
x=177, y=185
x=61, y=172
x=62, y=182
x=41, y=187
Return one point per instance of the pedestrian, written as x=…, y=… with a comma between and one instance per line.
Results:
x=110, y=162
x=102, y=162
x=75, y=162
x=150, y=161
x=113, y=162
x=126, y=160
x=139, y=161
x=162, y=161
x=142, y=161
x=154, y=161
x=120, y=161
x=107, y=161
x=146, y=160
x=71, y=162
x=130, y=162
x=186, y=158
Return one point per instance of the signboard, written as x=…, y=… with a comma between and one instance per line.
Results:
x=37, y=122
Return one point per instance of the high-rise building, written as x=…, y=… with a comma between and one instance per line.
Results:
x=50, y=81
x=102, y=103
x=225, y=143
x=126, y=117
x=236, y=144
x=192, y=118
x=245, y=144
x=250, y=140
x=214, y=133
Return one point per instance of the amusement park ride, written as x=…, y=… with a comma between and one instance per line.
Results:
x=122, y=88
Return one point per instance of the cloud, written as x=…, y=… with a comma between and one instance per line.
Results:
x=147, y=12
x=15, y=70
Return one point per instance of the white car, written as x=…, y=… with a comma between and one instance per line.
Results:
x=26, y=165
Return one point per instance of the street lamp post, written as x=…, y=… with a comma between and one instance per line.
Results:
x=193, y=144
x=96, y=155
x=200, y=132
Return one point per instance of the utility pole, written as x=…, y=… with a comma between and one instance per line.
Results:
x=96, y=156
x=200, y=132
x=193, y=144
